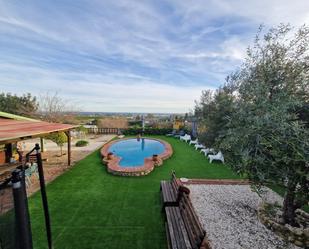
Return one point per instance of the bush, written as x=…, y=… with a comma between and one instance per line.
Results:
x=81, y=143
x=82, y=129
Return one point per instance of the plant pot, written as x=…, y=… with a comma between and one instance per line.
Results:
x=155, y=158
x=110, y=156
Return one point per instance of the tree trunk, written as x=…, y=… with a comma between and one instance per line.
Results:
x=61, y=151
x=289, y=206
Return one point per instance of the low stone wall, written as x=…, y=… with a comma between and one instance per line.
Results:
x=297, y=235
x=113, y=167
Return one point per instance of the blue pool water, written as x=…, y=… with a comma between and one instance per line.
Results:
x=134, y=151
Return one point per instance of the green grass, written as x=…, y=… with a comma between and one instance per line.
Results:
x=93, y=209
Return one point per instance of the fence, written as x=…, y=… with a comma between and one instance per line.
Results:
x=133, y=131
x=103, y=130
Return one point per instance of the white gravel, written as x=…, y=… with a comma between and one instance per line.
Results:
x=229, y=216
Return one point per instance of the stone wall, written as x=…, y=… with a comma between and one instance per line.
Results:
x=297, y=235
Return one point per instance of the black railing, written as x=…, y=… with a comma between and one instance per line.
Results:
x=23, y=228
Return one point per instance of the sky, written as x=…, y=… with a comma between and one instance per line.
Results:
x=131, y=55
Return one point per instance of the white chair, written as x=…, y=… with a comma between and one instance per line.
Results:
x=34, y=170
x=185, y=138
x=194, y=142
x=199, y=146
x=218, y=156
x=28, y=174
x=206, y=151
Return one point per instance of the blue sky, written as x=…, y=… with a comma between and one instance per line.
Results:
x=136, y=56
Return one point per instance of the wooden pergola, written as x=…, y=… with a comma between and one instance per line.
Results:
x=12, y=131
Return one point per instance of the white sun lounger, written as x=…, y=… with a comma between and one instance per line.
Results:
x=185, y=138
x=194, y=142
x=207, y=151
x=218, y=156
x=199, y=146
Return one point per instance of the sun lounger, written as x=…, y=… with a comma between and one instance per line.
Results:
x=185, y=138
x=207, y=151
x=194, y=142
x=199, y=146
x=218, y=157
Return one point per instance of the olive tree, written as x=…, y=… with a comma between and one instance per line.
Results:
x=266, y=138
x=212, y=111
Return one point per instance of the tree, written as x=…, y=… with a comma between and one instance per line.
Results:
x=212, y=112
x=266, y=137
x=59, y=138
x=138, y=118
x=53, y=108
x=25, y=105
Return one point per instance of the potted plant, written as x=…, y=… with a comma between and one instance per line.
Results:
x=155, y=157
x=110, y=155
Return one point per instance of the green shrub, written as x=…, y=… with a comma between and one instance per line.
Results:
x=59, y=138
x=81, y=143
x=82, y=129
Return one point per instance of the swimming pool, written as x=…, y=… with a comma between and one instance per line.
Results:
x=134, y=151
x=134, y=157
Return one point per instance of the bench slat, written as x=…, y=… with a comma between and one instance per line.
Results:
x=195, y=231
x=184, y=230
x=169, y=195
x=177, y=230
x=171, y=231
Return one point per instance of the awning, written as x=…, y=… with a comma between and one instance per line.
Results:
x=16, y=130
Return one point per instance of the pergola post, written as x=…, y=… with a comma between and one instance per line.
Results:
x=42, y=144
x=8, y=152
x=68, y=133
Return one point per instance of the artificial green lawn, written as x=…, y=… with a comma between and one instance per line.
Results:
x=93, y=209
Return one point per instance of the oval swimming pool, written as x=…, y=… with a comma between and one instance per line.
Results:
x=134, y=151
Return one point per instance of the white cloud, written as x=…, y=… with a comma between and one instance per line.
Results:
x=145, y=54
x=102, y=92
x=270, y=12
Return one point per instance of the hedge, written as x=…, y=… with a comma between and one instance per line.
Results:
x=81, y=143
x=148, y=131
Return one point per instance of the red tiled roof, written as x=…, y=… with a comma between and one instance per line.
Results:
x=11, y=130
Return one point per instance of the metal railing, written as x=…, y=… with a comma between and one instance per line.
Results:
x=15, y=227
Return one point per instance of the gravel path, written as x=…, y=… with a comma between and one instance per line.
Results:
x=229, y=216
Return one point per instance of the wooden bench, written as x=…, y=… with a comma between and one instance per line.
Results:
x=169, y=191
x=183, y=228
